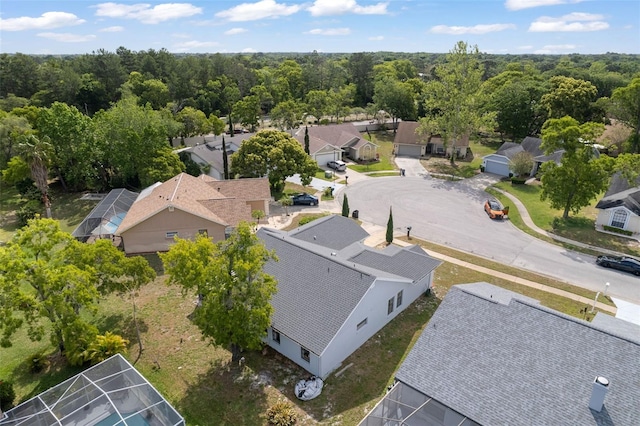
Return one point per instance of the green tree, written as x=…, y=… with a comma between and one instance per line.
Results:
x=318, y=103
x=306, y=140
x=217, y=124
x=625, y=106
x=225, y=160
x=345, y=206
x=11, y=128
x=581, y=176
x=287, y=114
x=194, y=122
x=521, y=164
x=286, y=202
x=273, y=154
x=396, y=98
x=229, y=279
x=50, y=277
x=163, y=165
x=570, y=96
x=36, y=153
x=389, y=235
x=452, y=98
x=247, y=112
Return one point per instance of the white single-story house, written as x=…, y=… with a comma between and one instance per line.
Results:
x=620, y=208
x=489, y=356
x=186, y=206
x=334, y=292
x=336, y=142
x=500, y=162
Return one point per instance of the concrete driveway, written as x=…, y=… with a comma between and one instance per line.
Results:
x=412, y=167
x=450, y=213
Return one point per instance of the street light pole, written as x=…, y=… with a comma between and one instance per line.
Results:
x=595, y=299
x=606, y=287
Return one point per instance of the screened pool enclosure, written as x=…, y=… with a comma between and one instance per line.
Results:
x=104, y=219
x=111, y=393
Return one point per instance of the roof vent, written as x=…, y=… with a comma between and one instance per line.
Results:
x=170, y=208
x=333, y=253
x=598, y=392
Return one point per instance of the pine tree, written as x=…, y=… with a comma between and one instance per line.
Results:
x=345, y=206
x=306, y=140
x=390, y=227
x=225, y=160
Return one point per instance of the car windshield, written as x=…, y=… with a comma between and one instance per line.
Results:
x=495, y=205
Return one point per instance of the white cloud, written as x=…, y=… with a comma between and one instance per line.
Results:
x=551, y=49
x=249, y=50
x=67, y=37
x=330, y=31
x=260, y=10
x=525, y=47
x=340, y=7
x=376, y=38
x=476, y=29
x=147, y=14
x=114, y=29
x=573, y=22
x=193, y=44
x=234, y=31
x=526, y=4
x=47, y=20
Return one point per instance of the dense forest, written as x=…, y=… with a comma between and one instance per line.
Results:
x=104, y=119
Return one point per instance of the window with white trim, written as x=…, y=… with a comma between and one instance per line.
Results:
x=390, y=305
x=275, y=336
x=619, y=218
x=399, y=298
x=362, y=323
x=305, y=354
x=171, y=234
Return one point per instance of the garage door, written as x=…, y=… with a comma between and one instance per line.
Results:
x=410, y=150
x=323, y=159
x=496, y=167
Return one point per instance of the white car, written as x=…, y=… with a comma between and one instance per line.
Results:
x=338, y=165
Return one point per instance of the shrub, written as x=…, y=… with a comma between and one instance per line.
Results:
x=617, y=230
x=518, y=180
x=38, y=362
x=27, y=212
x=308, y=219
x=105, y=346
x=8, y=395
x=281, y=414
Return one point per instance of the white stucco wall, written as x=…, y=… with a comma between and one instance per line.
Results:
x=292, y=350
x=632, y=224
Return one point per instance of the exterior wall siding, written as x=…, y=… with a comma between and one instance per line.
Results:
x=151, y=235
x=373, y=307
x=292, y=350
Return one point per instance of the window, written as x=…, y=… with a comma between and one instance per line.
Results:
x=362, y=323
x=619, y=218
x=172, y=234
x=399, y=298
x=390, y=306
x=203, y=232
x=304, y=353
x=275, y=336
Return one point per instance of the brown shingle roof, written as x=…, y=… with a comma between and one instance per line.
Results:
x=406, y=134
x=198, y=196
x=243, y=189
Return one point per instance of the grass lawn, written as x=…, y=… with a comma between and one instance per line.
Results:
x=462, y=168
x=384, y=140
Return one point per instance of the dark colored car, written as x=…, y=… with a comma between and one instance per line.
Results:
x=623, y=263
x=306, y=199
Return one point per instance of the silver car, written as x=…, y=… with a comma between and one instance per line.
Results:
x=337, y=165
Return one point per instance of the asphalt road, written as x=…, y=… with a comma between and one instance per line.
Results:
x=451, y=214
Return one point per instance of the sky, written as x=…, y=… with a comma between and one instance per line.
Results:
x=331, y=26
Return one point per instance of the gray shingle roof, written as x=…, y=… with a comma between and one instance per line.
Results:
x=315, y=294
x=403, y=262
x=620, y=184
x=334, y=231
x=532, y=145
x=521, y=363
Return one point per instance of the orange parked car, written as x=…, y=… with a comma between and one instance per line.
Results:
x=495, y=210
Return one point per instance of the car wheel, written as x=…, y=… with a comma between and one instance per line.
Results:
x=606, y=265
x=313, y=203
x=637, y=273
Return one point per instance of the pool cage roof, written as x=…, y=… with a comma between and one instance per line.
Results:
x=111, y=393
x=405, y=406
x=104, y=219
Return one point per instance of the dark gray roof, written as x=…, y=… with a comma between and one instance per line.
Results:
x=556, y=157
x=403, y=262
x=509, y=149
x=334, y=231
x=315, y=294
x=520, y=363
x=532, y=145
x=631, y=202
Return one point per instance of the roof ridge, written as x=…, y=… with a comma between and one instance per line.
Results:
x=175, y=189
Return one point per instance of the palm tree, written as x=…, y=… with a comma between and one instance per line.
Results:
x=36, y=153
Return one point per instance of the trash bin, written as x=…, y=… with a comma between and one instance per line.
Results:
x=328, y=174
x=355, y=214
